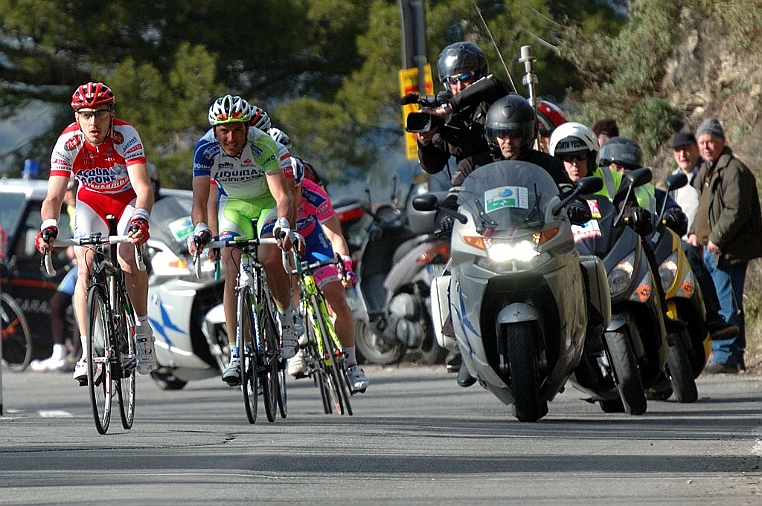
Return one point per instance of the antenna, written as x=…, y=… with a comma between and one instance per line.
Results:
x=494, y=44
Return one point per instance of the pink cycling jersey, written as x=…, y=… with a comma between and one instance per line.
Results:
x=104, y=183
x=314, y=207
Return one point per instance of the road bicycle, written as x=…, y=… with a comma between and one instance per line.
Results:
x=263, y=371
x=17, y=341
x=323, y=353
x=111, y=356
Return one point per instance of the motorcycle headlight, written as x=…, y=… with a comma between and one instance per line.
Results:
x=512, y=255
x=668, y=271
x=620, y=276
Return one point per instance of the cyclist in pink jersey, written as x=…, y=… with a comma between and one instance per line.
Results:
x=106, y=156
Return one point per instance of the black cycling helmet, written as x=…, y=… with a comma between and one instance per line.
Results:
x=622, y=151
x=510, y=116
x=460, y=58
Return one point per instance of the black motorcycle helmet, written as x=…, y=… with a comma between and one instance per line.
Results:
x=622, y=151
x=510, y=116
x=459, y=58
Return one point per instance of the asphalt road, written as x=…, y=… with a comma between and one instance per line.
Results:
x=415, y=438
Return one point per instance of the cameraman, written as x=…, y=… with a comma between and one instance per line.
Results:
x=463, y=69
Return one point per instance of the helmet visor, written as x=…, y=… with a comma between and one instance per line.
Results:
x=520, y=131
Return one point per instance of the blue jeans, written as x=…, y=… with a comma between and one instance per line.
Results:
x=729, y=283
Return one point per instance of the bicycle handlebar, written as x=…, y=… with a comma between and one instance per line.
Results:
x=235, y=243
x=92, y=240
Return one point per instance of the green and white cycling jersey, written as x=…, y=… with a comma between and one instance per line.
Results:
x=242, y=176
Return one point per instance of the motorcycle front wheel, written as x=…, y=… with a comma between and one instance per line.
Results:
x=626, y=374
x=525, y=372
x=680, y=372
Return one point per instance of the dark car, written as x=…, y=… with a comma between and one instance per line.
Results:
x=20, y=273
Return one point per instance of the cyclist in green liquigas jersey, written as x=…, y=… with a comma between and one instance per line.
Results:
x=250, y=185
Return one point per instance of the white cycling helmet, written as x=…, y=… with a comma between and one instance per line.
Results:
x=229, y=109
x=260, y=119
x=571, y=137
x=279, y=136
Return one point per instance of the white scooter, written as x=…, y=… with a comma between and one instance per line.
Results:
x=185, y=312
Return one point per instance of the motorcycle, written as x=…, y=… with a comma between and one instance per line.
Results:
x=634, y=349
x=400, y=256
x=690, y=346
x=185, y=312
x=516, y=289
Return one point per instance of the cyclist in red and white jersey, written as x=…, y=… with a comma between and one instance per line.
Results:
x=106, y=156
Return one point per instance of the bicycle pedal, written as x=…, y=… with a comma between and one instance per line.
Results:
x=83, y=382
x=233, y=384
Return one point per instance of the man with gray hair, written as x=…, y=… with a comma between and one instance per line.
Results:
x=727, y=226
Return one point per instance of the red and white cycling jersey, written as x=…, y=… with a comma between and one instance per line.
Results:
x=101, y=170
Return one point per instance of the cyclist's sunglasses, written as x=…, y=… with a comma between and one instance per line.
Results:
x=579, y=156
x=462, y=78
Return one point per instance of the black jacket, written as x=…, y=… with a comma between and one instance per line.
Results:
x=463, y=132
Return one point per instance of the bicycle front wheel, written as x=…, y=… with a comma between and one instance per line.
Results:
x=17, y=341
x=125, y=341
x=268, y=359
x=247, y=352
x=331, y=377
x=99, y=381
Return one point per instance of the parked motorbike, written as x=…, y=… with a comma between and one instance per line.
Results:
x=690, y=346
x=634, y=349
x=401, y=254
x=185, y=312
x=516, y=291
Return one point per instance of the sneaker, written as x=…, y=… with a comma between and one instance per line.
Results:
x=297, y=365
x=146, y=353
x=289, y=342
x=358, y=382
x=80, y=370
x=53, y=363
x=232, y=373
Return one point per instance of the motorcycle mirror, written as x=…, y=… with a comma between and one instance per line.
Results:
x=639, y=177
x=675, y=181
x=589, y=184
x=426, y=202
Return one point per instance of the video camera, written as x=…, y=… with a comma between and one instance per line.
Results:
x=422, y=122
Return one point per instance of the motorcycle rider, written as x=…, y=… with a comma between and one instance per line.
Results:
x=577, y=147
x=226, y=153
x=464, y=71
x=510, y=132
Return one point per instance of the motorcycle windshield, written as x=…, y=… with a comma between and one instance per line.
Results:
x=511, y=193
x=171, y=222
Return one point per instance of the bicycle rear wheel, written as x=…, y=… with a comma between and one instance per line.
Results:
x=246, y=349
x=99, y=381
x=17, y=341
x=126, y=366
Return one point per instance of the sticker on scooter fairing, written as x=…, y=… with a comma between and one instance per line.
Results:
x=181, y=228
x=506, y=196
x=586, y=231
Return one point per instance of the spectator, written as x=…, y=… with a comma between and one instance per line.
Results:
x=605, y=129
x=688, y=161
x=727, y=226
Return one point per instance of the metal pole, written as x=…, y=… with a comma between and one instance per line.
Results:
x=529, y=80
